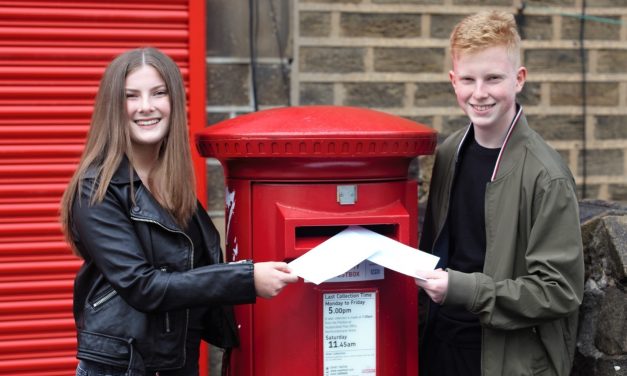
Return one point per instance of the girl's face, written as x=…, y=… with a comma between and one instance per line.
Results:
x=148, y=106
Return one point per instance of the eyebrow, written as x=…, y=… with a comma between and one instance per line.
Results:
x=152, y=88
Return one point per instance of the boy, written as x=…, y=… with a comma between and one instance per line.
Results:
x=503, y=217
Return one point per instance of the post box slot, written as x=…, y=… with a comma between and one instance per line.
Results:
x=308, y=237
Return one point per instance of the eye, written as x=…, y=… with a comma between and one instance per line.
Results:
x=160, y=93
x=131, y=95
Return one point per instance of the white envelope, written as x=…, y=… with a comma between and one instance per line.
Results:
x=353, y=245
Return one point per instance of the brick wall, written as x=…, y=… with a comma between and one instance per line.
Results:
x=393, y=55
x=229, y=81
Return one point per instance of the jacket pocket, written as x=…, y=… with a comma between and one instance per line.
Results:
x=102, y=298
x=102, y=348
x=539, y=356
x=523, y=354
x=166, y=319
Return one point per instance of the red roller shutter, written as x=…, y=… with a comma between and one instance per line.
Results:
x=52, y=54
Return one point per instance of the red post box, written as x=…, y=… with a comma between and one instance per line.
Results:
x=295, y=177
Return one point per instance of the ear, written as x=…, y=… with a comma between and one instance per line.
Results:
x=521, y=77
x=451, y=77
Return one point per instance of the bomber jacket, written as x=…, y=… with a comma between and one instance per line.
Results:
x=133, y=293
x=527, y=296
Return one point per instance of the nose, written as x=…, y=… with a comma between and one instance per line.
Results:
x=480, y=90
x=146, y=104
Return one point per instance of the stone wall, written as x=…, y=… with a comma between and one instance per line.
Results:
x=229, y=79
x=602, y=337
x=393, y=55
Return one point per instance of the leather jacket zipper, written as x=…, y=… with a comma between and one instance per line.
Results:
x=168, y=327
x=191, y=262
x=108, y=296
x=191, y=266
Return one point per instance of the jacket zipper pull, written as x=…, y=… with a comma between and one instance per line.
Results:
x=168, y=329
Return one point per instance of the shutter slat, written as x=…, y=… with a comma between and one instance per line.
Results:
x=52, y=56
x=34, y=346
x=41, y=150
x=46, y=111
x=36, y=171
x=49, y=305
x=29, y=131
x=68, y=92
x=144, y=36
x=116, y=15
x=28, y=209
x=19, y=278
x=37, y=363
x=27, y=355
x=7, y=268
x=33, y=248
x=39, y=325
x=32, y=287
x=102, y=6
x=16, y=190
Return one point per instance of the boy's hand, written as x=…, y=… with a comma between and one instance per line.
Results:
x=270, y=278
x=435, y=285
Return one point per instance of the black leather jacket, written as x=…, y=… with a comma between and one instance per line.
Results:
x=133, y=293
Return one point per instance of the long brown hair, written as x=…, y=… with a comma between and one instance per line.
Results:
x=172, y=179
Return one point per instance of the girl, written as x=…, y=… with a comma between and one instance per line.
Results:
x=153, y=283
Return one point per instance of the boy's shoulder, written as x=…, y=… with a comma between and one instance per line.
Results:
x=546, y=157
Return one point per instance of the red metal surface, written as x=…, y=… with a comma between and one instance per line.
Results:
x=282, y=168
x=316, y=143
x=52, y=55
x=320, y=131
x=197, y=112
x=388, y=208
x=197, y=87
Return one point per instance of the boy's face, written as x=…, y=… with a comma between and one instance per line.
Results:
x=486, y=84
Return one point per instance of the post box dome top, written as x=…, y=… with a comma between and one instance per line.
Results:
x=316, y=131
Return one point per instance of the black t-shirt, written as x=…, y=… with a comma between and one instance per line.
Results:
x=467, y=240
x=467, y=216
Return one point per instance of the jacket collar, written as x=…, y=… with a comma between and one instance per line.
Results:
x=512, y=145
x=122, y=174
x=146, y=207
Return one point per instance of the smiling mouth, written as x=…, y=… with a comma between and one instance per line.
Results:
x=483, y=107
x=147, y=123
